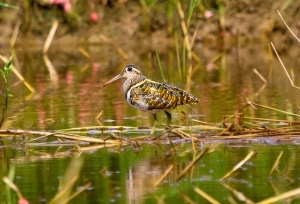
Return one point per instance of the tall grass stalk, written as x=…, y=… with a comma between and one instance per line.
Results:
x=178, y=57
x=185, y=25
x=160, y=67
x=4, y=73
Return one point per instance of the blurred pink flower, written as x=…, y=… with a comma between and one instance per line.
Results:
x=67, y=7
x=94, y=17
x=65, y=3
x=58, y=2
x=23, y=201
x=208, y=14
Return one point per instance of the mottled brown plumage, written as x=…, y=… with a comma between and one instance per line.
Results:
x=149, y=95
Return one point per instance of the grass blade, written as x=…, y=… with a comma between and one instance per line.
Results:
x=206, y=196
x=192, y=164
x=241, y=163
x=289, y=194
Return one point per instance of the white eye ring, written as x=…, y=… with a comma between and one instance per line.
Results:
x=129, y=69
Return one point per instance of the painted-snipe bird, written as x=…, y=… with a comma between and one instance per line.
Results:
x=149, y=95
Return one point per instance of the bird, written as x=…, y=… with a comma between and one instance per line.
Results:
x=149, y=95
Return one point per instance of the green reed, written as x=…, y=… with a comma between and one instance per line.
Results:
x=4, y=73
x=8, y=5
x=185, y=22
x=160, y=67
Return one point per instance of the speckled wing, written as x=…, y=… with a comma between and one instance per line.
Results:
x=151, y=95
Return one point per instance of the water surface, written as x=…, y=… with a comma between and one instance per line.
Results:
x=71, y=96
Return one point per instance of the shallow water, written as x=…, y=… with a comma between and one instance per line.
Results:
x=119, y=174
x=129, y=177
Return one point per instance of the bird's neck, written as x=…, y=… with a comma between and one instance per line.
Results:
x=131, y=82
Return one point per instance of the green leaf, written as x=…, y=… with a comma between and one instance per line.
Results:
x=2, y=73
x=8, y=5
x=7, y=66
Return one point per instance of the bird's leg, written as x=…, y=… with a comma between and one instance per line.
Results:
x=154, y=125
x=154, y=116
x=169, y=117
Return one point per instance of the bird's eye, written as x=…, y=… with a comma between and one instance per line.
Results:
x=129, y=69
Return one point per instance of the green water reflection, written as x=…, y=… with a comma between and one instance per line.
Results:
x=130, y=177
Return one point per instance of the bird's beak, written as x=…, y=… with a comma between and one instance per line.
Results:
x=113, y=79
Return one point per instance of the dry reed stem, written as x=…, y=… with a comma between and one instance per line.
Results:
x=172, y=145
x=13, y=186
x=101, y=128
x=261, y=89
x=238, y=194
x=183, y=134
x=260, y=76
x=17, y=73
x=206, y=196
x=118, y=49
x=195, y=57
x=14, y=35
x=184, y=27
x=203, y=122
x=179, y=134
x=286, y=72
x=241, y=163
x=164, y=175
x=59, y=135
x=202, y=127
x=276, y=163
x=163, y=133
x=226, y=118
x=162, y=149
x=131, y=141
x=64, y=190
x=186, y=198
x=289, y=194
x=192, y=139
x=68, y=181
x=231, y=200
x=81, y=189
x=274, y=135
x=50, y=36
x=202, y=153
x=190, y=57
x=28, y=141
x=52, y=72
x=288, y=26
x=99, y=115
x=274, y=109
x=290, y=122
x=84, y=52
x=95, y=147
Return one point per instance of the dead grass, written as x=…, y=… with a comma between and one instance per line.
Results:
x=235, y=127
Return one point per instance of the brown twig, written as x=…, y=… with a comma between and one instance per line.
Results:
x=286, y=72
